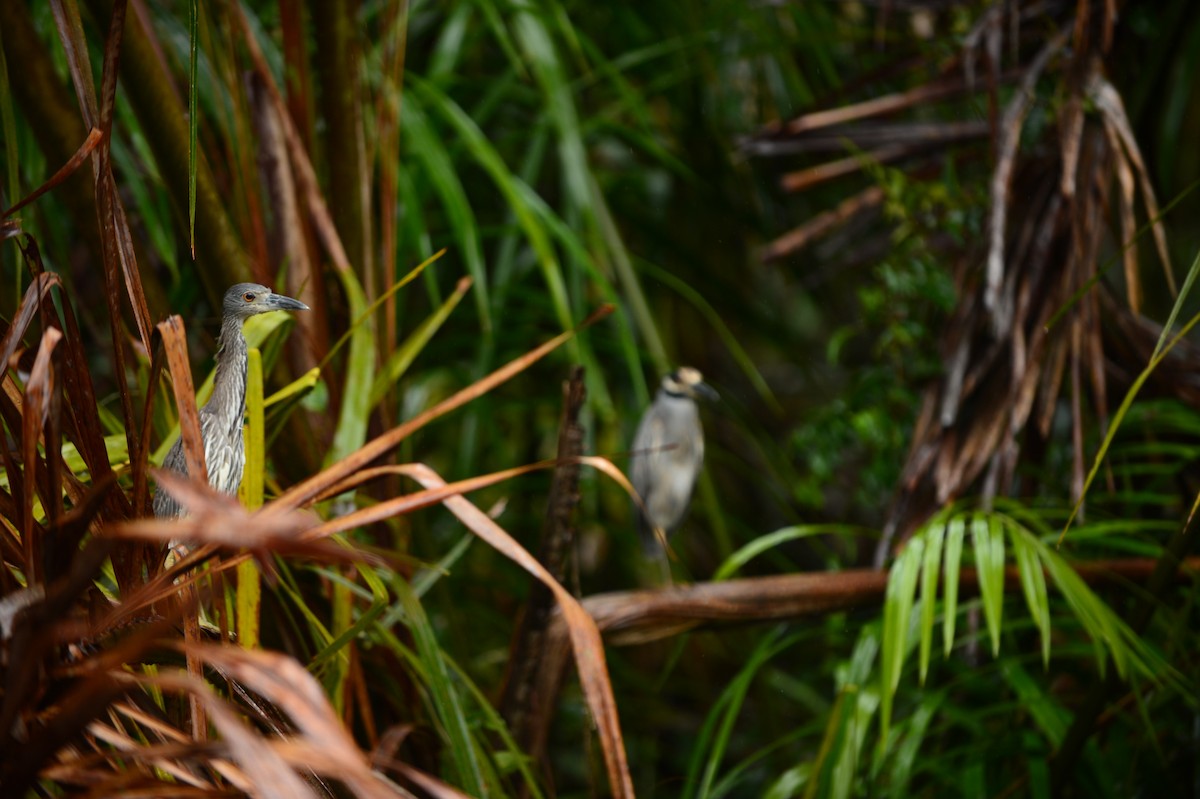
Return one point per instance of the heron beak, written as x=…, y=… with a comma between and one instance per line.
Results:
x=278, y=302
x=707, y=392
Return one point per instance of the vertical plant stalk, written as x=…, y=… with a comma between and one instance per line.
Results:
x=193, y=120
x=337, y=62
x=98, y=114
x=387, y=126
x=8, y=129
x=175, y=346
x=151, y=93
x=286, y=245
x=295, y=76
x=249, y=579
x=523, y=706
x=288, y=253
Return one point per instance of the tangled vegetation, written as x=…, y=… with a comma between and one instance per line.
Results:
x=929, y=252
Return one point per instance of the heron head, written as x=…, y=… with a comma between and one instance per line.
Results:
x=244, y=300
x=688, y=382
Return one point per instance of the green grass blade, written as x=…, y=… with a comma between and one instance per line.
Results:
x=538, y=47
x=12, y=160
x=398, y=362
x=485, y=154
x=765, y=543
x=1119, y=417
x=718, y=726
x=367, y=311
x=736, y=350
x=430, y=149
x=912, y=737
x=1184, y=294
x=445, y=697
x=380, y=601
x=251, y=491
x=355, y=413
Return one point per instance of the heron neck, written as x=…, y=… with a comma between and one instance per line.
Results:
x=229, y=386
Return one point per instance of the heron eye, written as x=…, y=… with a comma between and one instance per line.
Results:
x=248, y=296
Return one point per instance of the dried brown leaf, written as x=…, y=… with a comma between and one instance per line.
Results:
x=585, y=637
x=70, y=33
x=1070, y=133
x=823, y=223
x=314, y=486
x=175, y=345
x=215, y=520
x=1010, y=136
x=285, y=683
x=305, y=174
x=1108, y=102
x=36, y=412
x=65, y=171
x=35, y=294
x=83, y=420
x=1133, y=283
x=269, y=774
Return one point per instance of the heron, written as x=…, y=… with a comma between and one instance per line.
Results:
x=222, y=417
x=668, y=455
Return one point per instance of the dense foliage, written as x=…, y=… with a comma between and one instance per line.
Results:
x=929, y=253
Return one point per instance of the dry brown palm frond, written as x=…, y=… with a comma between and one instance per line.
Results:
x=1027, y=337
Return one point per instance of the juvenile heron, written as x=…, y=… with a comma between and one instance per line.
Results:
x=222, y=416
x=668, y=452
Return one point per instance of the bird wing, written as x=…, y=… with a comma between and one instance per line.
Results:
x=645, y=463
x=165, y=505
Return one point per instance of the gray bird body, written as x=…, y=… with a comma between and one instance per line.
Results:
x=668, y=454
x=222, y=417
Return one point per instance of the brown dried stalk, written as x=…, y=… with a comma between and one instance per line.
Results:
x=519, y=699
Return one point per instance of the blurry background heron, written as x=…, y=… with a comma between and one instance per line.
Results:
x=222, y=417
x=668, y=453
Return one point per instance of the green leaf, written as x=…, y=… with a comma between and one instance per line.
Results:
x=1033, y=584
x=301, y=385
x=988, y=539
x=249, y=580
x=955, y=532
x=935, y=531
x=911, y=737
x=254, y=437
x=897, y=622
x=1051, y=718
